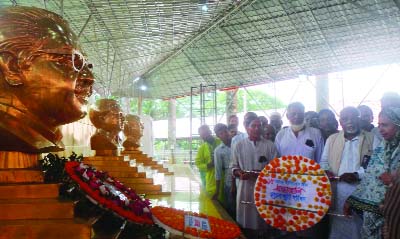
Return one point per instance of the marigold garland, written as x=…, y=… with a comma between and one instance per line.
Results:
x=279, y=197
x=110, y=193
x=174, y=218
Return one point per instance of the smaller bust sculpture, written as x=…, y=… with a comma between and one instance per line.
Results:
x=133, y=130
x=107, y=117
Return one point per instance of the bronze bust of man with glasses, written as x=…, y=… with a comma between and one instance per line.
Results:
x=133, y=131
x=106, y=115
x=44, y=79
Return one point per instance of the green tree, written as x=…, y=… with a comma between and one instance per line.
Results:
x=256, y=100
x=157, y=109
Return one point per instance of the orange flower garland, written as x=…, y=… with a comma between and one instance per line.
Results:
x=171, y=218
x=292, y=193
x=95, y=194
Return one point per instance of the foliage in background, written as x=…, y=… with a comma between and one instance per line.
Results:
x=53, y=167
x=255, y=100
x=258, y=100
x=181, y=144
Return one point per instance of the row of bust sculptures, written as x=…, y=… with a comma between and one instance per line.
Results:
x=107, y=117
x=45, y=81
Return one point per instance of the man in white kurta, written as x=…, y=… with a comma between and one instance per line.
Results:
x=344, y=155
x=298, y=139
x=250, y=154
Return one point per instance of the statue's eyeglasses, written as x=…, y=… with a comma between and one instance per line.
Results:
x=77, y=58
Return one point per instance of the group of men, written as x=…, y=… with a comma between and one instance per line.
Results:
x=229, y=164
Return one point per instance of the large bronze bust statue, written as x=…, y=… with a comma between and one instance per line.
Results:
x=133, y=131
x=44, y=79
x=107, y=117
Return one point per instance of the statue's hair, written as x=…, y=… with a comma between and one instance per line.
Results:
x=32, y=27
x=102, y=108
x=23, y=31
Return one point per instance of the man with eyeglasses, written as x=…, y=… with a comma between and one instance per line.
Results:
x=45, y=80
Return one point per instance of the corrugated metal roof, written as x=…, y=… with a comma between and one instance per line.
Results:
x=173, y=45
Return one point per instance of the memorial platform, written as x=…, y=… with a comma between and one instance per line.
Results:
x=32, y=209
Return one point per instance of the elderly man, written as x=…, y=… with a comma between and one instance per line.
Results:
x=311, y=119
x=223, y=172
x=343, y=156
x=299, y=139
x=250, y=154
x=275, y=119
x=205, y=159
x=366, y=118
x=327, y=123
x=44, y=82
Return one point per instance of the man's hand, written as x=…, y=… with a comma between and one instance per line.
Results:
x=244, y=175
x=346, y=209
x=210, y=165
x=254, y=175
x=349, y=177
x=386, y=178
x=330, y=175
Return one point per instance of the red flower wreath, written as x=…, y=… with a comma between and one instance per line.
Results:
x=172, y=220
x=110, y=193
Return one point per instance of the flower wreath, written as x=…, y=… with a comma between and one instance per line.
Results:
x=292, y=193
x=110, y=193
x=172, y=220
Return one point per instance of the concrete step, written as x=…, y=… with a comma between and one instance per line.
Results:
x=107, y=158
x=34, y=208
x=146, y=162
x=146, y=187
x=15, y=191
x=120, y=175
x=112, y=169
x=44, y=229
x=113, y=163
x=153, y=192
x=137, y=180
x=168, y=173
x=155, y=165
x=21, y=176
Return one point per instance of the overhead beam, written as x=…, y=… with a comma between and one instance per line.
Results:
x=230, y=12
x=84, y=26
